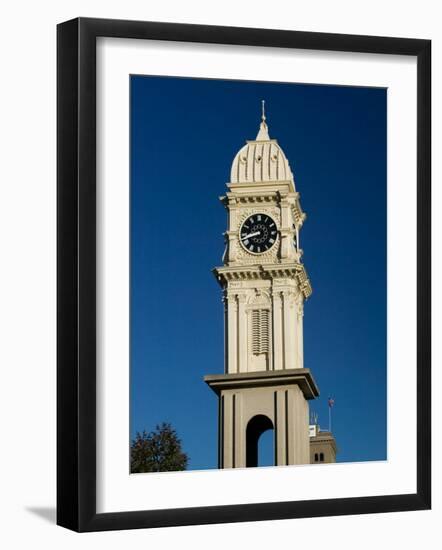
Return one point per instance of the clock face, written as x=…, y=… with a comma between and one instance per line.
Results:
x=258, y=233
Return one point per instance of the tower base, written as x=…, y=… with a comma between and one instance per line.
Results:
x=253, y=402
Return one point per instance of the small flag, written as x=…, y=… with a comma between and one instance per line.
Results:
x=331, y=402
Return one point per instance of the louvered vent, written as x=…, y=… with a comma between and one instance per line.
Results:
x=260, y=331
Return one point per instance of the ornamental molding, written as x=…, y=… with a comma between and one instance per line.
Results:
x=274, y=212
x=277, y=298
x=290, y=297
x=242, y=298
x=258, y=298
x=228, y=274
x=230, y=299
x=283, y=186
x=300, y=309
x=252, y=198
x=234, y=202
x=298, y=215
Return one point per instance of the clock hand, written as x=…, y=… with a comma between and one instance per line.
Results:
x=250, y=235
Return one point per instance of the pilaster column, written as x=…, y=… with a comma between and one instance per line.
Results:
x=232, y=232
x=232, y=333
x=233, y=439
x=293, y=432
x=300, y=332
x=239, y=431
x=285, y=229
x=242, y=333
x=281, y=427
x=297, y=427
x=228, y=439
x=277, y=331
x=226, y=333
x=289, y=330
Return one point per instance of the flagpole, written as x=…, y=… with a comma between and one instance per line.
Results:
x=331, y=402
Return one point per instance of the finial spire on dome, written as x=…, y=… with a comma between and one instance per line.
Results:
x=263, y=134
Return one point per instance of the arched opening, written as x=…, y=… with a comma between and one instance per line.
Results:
x=257, y=454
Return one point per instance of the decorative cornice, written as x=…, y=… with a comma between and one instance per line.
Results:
x=249, y=199
x=301, y=377
x=304, y=282
x=296, y=271
x=298, y=215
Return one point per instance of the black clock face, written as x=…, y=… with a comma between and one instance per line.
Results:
x=258, y=233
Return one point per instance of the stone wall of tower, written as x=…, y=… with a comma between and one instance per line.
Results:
x=287, y=409
x=280, y=303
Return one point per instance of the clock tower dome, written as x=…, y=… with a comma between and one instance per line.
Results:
x=265, y=284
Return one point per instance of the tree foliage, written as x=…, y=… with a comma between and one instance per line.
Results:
x=157, y=451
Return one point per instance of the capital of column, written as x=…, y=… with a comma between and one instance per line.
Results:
x=290, y=296
x=230, y=298
x=300, y=304
x=235, y=299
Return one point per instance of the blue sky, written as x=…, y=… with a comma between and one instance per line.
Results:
x=184, y=135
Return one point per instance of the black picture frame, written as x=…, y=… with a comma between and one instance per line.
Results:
x=76, y=274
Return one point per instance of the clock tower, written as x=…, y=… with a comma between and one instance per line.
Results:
x=265, y=284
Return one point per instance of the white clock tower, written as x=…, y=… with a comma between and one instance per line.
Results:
x=265, y=385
